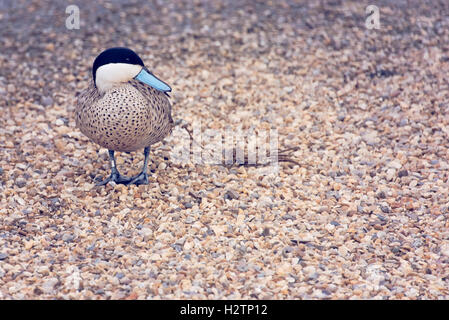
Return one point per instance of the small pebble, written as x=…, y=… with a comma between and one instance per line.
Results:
x=47, y=101
x=188, y=205
x=402, y=173
x=68, y=237
x=381, y=195
x=385, y=208
x=231, y=195
x=21, y=182
x=11, y=88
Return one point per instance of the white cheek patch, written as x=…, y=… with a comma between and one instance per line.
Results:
x=112, y=74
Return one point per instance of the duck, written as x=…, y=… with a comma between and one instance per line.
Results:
x=124, y=108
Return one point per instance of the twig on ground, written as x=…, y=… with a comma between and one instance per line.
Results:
x=282, y=156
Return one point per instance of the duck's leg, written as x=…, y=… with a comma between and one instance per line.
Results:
x=115, y=175
x=142, y=177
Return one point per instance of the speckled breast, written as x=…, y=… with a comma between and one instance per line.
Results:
x=125, y=119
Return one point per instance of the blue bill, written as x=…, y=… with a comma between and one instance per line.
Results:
x=147, y=77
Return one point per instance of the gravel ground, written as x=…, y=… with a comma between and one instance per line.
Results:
x=362, y=214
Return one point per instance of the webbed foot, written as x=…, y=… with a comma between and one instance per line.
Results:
x=141, y=178
x=116, y=177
